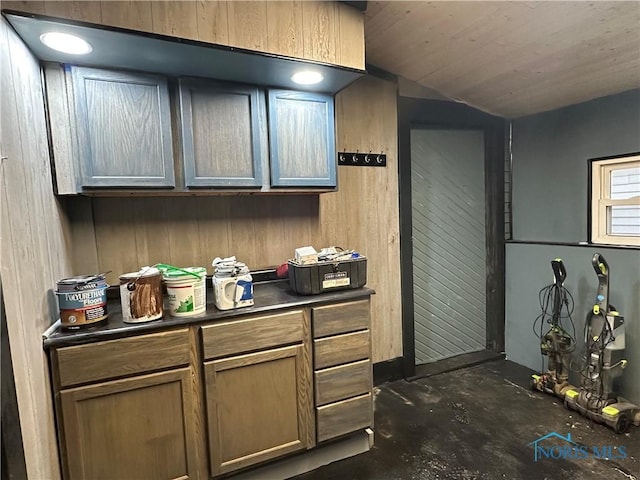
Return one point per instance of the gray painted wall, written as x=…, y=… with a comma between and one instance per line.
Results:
x=550, y=191
x=550, y=153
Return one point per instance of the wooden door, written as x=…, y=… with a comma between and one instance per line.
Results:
x=123, y=124
x=140, y=427
x=302, y=139
x=222, y=134
x=259, y=407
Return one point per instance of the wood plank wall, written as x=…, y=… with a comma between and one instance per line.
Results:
x=364, y=213
x=328, y=32
x=122, y=234
x=35, y=246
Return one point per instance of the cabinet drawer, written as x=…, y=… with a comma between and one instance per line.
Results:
x=344, y=417
x=253, y=333
x=341, y=318
x=343, y=381
x=339, y=349
x=126, y=356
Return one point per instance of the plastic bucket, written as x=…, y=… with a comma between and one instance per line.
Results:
x=186, y=294
x=141, y=295
x=82, y=301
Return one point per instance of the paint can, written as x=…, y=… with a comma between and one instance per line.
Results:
x=186, y=291
x=141, y=295
x=82, y=301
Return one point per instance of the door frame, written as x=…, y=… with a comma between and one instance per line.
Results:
x=438, y=114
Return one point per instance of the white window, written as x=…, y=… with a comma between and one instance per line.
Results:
x=615, y=200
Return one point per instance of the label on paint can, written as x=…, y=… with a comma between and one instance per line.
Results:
x=79, y=317
x=186, y=294
x=82, y=300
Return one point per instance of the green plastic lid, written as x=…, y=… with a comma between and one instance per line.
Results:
x=174, y=273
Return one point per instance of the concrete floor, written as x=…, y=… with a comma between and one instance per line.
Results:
x=476, y=423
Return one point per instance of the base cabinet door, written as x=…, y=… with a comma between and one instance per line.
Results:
x=259, y=407
x=138, y=427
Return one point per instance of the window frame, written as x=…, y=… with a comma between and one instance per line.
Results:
x=599, y=192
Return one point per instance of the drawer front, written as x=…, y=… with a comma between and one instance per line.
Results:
x=252, y=333
x=344, y=381
x=122, y=357
x=341, y=318
x=344, y=417
x=350, y=347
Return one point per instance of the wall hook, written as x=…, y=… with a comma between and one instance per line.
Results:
x=358, y=159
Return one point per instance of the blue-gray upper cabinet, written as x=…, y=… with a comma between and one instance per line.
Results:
x=301, y=139
x=221, y=134
x=123, y=125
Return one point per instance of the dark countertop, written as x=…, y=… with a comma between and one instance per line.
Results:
x=267, y=296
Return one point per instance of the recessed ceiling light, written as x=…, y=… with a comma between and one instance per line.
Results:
x=307, y=77
x=66, y=43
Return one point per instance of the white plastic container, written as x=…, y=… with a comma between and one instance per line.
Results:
x=186, y=294
x=233, y=292
x=232, y=284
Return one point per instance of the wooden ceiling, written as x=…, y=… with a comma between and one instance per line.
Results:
x=509, y=58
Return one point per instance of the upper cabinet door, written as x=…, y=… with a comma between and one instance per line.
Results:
x=301, y=139
x=221, y=134
x=123, y=124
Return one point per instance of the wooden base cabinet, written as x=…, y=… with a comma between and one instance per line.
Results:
x=206, y=400
x=258, y=407
x=120, y=416
x=258, y=388
x=139, y=427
